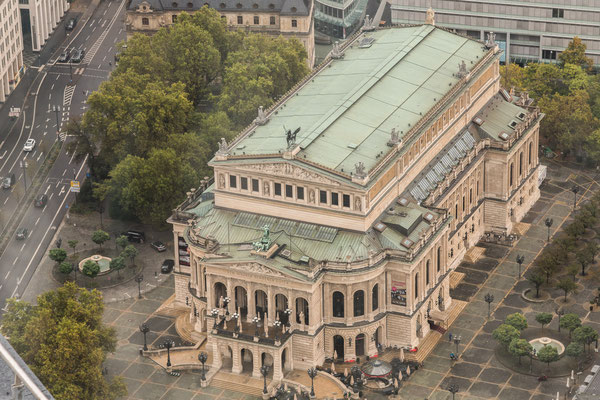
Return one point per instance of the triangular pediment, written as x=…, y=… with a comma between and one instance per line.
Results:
x=257, y=270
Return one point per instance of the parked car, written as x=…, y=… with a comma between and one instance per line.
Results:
x=8, y=181
x=64, y=56
x=40, y=200
x=184, y=260
x=158, y=246
x=183, y=252
x=29, y=145
x=78, y=56
x=167, y=266
x=71, y=24
x=135, y=236
x=22, y=233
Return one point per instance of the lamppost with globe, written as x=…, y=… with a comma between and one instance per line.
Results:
x=575, y=190
x=488, y=298
x=453, y=388
x=264, y=370
x=520, y=260
x=288, y=314
x=226, y=302
x=312, y=373
x=167, y=345
x=202, y=357
x=144, y=328
x=139, y=280
x=255, y=321
x=277, y=324
x=560, y=312
x=548, y=222
x=214, y=312
x=457, y=340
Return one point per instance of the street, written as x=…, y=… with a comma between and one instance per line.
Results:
x=57, y=93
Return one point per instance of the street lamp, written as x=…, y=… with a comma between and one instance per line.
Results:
x=548, y=222
x=167, y=345
x=256, y=320
x=144, y=328
x=202, y=357
x=288, y=314
x=457, y=340
x=56, y=110
x=560, y=312
x=488, y=298
x=312, y=373
x=520, y=260
x=226, y=302
x=575, y=190
x=214, y=313
x=277, y=325
x=453, y=388
x=264, y=370
x=139, y=280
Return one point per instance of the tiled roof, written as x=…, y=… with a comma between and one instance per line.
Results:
x=285, y=7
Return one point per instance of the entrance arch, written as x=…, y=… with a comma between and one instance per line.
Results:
x=338, y=347
x=360, y=345
x=262, y=303
x=241, y=301
x=247, y=361
x=220, y=292
x=226, y=357
x=267, y=359
x=281, y=304
x=285, y=364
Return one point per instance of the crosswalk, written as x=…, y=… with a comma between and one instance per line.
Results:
x=68, y=95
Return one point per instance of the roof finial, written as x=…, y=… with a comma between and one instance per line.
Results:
x=430, y=18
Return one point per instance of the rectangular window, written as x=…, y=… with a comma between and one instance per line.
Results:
x=558, y=13
x=294, y=23
x=244, y=183
x=272, y=20
x=463, y=203
x=300, y=193
x=278, y=189
x=289, y=191
x=232, y=181
x=256, y=20
x=346, y=200
x=322, y=197
x=335, y=199
x=255, y=185
x=240, y=20
x=549, y=54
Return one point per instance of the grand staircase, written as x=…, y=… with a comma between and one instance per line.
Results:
x=238, y=383
x=474, y=254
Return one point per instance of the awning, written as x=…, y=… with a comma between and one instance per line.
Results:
x=438, y=316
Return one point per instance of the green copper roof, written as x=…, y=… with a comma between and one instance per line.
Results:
x=347, y=111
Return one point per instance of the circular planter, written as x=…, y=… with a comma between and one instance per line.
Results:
x=543, y=296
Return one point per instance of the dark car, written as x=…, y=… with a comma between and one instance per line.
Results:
x=135, y=236
x=158, y=246
x=78, y=56
x=8, y=181
x=64, y=56
x=167, y=266
x=71, y=24
x=40, y=200
x=22, y=233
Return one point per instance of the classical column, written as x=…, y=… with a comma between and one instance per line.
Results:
x=251, y=302
x=348, y=311
x=216, y=355
x=236, y=367
x=368, y=301
x=176, y=247
x=371, y=346
x=292, y=306
x=277, y=367
x=231, y=296
x=210, y=303
x=270, y=306
x=349, y=351
x=256, y=363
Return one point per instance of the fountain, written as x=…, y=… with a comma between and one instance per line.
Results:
x=539, y=343
x=102, y=261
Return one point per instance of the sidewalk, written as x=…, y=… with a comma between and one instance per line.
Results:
x=478, y=373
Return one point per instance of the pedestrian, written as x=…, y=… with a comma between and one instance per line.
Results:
x=110, y=63
x=450, y=337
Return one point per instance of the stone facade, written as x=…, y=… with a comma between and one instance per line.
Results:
x=354, y=261
x=11, y=47
x=290, y=18
x=44, y=16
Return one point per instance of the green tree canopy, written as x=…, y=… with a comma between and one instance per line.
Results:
x=548, y=354
x=58, y=255
x=517, y=320
x=505, y=334
x=575, y=350
x=567, y=285
x=64, y=341
x=584, y=257
x=65, y=267
x=91, y=268
x=519, y=348
x=122, y=241
x=117, y=264
x=129, y=252
x=100, y=237
x=585, y=335
x=543, y=318
x=575, y=54
x=570, y=321
x=537, y=281
x=73, y=244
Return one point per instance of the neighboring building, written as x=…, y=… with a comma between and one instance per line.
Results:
x=17, y=381
x=339, y=18
x=590, y=388
x=11, y=47
x=42, y=16
x=288, y=18
x=408, y=152
x=534, y=30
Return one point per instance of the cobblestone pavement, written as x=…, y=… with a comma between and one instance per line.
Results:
x=478, y=373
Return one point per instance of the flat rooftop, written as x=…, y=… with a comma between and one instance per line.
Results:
x=347, y=111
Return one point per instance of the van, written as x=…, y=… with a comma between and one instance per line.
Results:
x=8, y=181
x=135, y=236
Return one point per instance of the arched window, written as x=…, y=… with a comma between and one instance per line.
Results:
x=427, y=273
x=220, y=294
x=416, y=285
x=439, y=258
x=359, y=303
x=510, y=176
x=145, y=21
x=301, y=311
x=375, y=297
x=338, y=305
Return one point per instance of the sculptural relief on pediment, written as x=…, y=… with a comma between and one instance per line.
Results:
x=288, y=170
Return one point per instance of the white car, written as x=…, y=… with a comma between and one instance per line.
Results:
x=29, y=145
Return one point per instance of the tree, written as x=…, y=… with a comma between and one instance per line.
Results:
x=536, y=280
x=543, y=318
x=575, y=54
x=129, y=252
x=99, y=237
x=585, y=335
x=547, y=265
x=575, y=350
x=584, y=257
x=65, y=267
x=65, y=342
x=122, y=242
x=117, y=264
x=516, y=320
x=570, y=322
x=592, y=249
x=548, y=354
x=58, y=255
x=73, y=244
x=575, y=229
x=91, y=268
x=567, y=285
x=511, y=76
x=519, y=348
x=505, y=334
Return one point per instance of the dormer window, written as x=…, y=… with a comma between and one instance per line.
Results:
x=175, y=5
x=254, y=5
x=239, y=5
x=294, y=9
x=190, y=5
x=222, y=5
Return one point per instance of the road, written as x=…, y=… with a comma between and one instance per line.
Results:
x=57, y=93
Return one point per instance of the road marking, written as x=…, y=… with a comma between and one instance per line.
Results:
x=86, y=39
x=50, y=198
x=8, y=273
x=33, y=155
x=3, y=154
x=38, y=220
x=64, y=172
x=57, y=77
x=92, y=23
x=51, y=88
x=68, y=95
x=5, y=200
x=62, y=190
x=73, y=156
x=104, y=22
x=57, y=183
x=94, y=29
x=92, y=52
x=40, y=156
x=44, y=209
x=105, y=11
x=48, y=188
x=22, y=247
x=50, y=97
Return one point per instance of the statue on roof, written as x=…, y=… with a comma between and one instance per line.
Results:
x=368, y=25
x=261, y=119
x=223, y=148
x=462, y=69
x=491, y=40
x=336, y=52
x=264, y=243
x=360, y=170
x=394, y=139
x=291, y=137
x=430, y=17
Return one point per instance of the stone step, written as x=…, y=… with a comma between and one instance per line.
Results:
x=238, y=383
x=474, y=254
x=521, y=228
x=456, y=278
x=425, y=347
x=171, y=308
